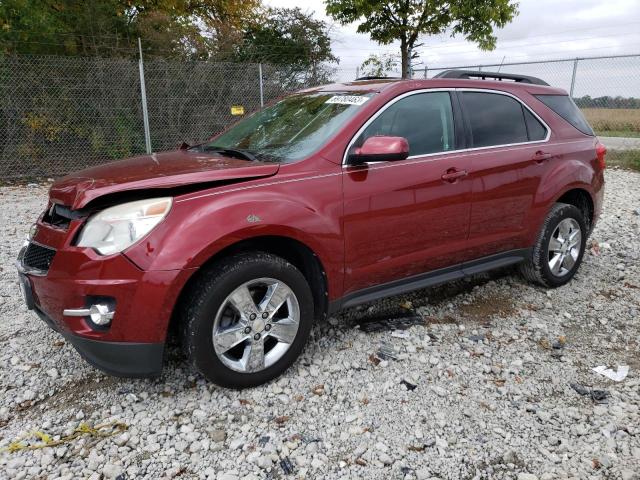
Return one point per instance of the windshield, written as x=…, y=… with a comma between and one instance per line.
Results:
x=291, y=129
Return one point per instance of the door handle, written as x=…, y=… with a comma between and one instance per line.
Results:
x=541, y=156
x=453, y=174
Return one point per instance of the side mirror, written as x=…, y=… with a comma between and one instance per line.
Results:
x=380, y=149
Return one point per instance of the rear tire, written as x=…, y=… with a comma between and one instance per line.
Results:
x=557, y=253
x=246, y=319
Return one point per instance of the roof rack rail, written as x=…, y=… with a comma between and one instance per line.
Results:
x=475, y=74
x=376, y=77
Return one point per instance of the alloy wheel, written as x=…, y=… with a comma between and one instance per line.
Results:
x=564, y=247
x=256, y=324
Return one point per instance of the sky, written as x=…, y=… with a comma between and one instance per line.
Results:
x=543, y=29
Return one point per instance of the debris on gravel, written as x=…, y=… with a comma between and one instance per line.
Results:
x=480, y=388
x=378, y=324
x=599, y=396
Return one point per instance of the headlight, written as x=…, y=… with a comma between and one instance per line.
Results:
x=116, y=228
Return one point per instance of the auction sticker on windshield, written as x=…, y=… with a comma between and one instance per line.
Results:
x=348, y=99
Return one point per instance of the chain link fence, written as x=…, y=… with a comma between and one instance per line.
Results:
x=607, y=89
x=60, y=114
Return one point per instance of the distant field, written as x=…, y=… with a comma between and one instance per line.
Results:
x=614, y=122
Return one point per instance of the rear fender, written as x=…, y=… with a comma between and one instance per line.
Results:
x=564, y=176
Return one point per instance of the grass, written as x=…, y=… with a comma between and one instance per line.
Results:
x=624, y=158
x=617, y=133
x=614, y=122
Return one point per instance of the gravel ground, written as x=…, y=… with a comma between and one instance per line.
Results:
x=491, y=369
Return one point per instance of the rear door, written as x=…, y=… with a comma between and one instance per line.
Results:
x=403, y=218
x=509, y=156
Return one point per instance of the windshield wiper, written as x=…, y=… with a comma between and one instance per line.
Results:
x=232, y=152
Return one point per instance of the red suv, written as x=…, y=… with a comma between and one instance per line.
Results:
x=329, y=198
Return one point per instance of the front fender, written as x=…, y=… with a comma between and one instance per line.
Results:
x=198, y=228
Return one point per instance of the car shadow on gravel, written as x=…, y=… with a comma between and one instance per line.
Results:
x=480, y=309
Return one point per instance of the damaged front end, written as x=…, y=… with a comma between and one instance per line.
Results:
x=74, y=270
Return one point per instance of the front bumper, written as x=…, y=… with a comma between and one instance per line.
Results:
x=132, y=345
x=120, y=359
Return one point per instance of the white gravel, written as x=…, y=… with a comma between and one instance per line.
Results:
x=492, y=399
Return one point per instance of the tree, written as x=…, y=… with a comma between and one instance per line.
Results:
x=378, y=65
x=405, y=20
x=196, y=29
x=291, y=38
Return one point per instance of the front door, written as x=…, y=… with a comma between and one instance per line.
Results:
x=402, y=218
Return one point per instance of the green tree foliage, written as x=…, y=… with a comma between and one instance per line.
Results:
x=184, y=28
x=292, y=39
x=288, y=36
x=378, y=65
x=405, y=20
x=607, y=102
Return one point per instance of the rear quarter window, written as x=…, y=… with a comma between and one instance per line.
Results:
x=563, y=105
x=536, y=130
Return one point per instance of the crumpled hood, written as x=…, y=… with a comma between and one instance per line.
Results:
x=157, y=171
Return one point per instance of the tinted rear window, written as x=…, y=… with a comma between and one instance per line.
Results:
x=495, y=119
x=564, y=106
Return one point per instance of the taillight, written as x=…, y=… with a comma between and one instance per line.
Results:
x=601, y=151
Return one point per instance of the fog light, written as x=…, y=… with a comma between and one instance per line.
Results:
x=98, y=313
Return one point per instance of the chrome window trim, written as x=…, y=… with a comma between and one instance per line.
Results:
x=448, y=152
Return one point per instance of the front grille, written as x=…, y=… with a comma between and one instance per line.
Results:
x=38, y=257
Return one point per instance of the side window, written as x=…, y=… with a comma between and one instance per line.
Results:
x=536, y=130
x=564, y=106
x=424, y=119
x=494, y=119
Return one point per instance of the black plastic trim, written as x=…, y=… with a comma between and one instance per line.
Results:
x=377, y=77
x=120, y=359
x=354, y=159
x=459, y=118
x=429, y=279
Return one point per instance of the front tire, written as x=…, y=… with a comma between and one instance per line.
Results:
x=247, y=319
x=557, y=253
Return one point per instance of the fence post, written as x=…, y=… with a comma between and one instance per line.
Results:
x=261, y=86
x=573, y=77
x=143, y=94
x=425, y=71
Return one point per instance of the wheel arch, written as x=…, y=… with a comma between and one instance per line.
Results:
x=582, y=199
x=292, y=250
